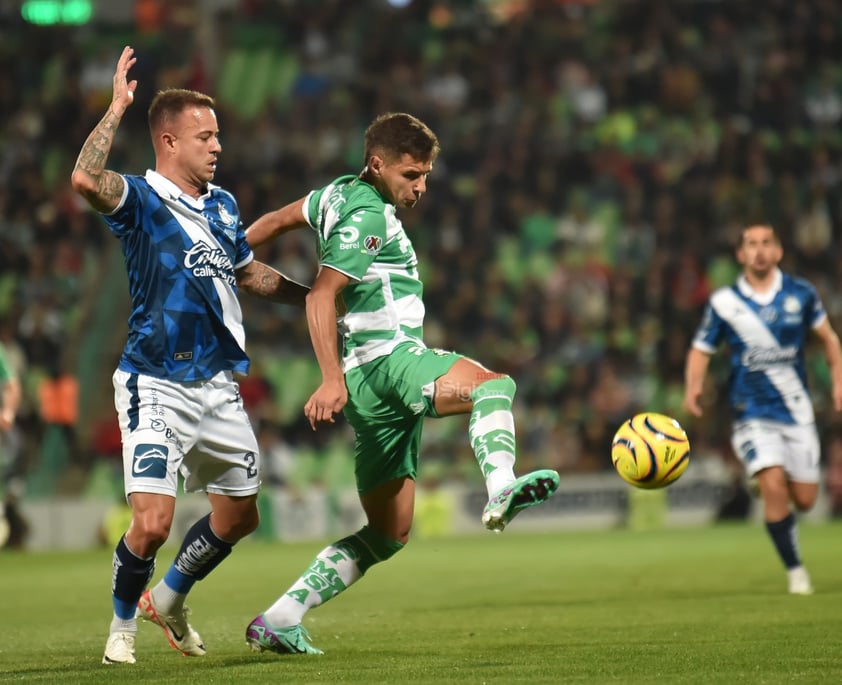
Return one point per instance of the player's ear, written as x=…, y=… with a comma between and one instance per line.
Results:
x=167, y=140
x=375, y=164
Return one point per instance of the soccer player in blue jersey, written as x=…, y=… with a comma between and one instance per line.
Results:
x=175, y=392
x=765, y=319
x=386, y=381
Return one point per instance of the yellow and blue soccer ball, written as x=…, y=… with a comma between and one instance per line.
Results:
x=650, y=450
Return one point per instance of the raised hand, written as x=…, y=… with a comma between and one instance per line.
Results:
x=123, y=88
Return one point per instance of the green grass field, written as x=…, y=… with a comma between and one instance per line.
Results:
x=701, y=605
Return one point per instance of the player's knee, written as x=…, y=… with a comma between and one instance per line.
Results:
x=803, y=502
x=148, y=532
x=803, y=495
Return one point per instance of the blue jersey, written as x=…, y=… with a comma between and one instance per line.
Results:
x=766, y=334
x=181, y=254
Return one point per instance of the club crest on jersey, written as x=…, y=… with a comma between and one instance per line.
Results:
x=224, y=216
x=372, y=244
x=792, y=305
x=229, y=223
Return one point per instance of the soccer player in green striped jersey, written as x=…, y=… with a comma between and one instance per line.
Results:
x=385, y=380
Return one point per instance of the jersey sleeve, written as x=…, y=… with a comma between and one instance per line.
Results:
x=710, y=331
x=126, y=216
x=817, y=313
x=354, y=243
x=244, y=254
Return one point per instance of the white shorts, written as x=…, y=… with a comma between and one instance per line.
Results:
x=761, y=444
x=199, y=429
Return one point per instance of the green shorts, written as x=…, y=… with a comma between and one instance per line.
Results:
x=388, y=399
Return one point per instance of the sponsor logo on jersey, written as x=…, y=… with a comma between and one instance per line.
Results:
x=208, y=262
x=760, y=358
x=150, y=461
x=768, y=314
x=372, y=244
x=349, y=238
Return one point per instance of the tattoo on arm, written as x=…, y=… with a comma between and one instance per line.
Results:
x=91, y=161
x=263, y=281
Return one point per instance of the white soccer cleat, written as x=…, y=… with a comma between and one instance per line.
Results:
x=799, y=581
x=179, y=632
x=119, y=649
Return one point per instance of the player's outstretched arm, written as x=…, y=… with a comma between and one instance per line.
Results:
x=261, y=280
x=277, y=222
x=329, y=398
x=695, y=370
x=833, y=353
x=102, y=188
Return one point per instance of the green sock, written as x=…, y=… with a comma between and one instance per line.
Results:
x=492, y=431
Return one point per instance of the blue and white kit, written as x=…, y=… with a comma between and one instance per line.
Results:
x=766, y=333
x=186, y=340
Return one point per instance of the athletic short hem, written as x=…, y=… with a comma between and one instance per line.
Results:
x=230, y=493
x=408, y=474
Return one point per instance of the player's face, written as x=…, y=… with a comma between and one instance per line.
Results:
x=759, y=252
x=196, y=145
x=402, y=180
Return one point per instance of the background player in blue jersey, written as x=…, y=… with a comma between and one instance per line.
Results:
x=765, y=319
x=177, y=400
x=386, y=381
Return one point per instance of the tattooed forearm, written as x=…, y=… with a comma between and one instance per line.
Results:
x=96, y=148
x=102, y=188
x=263, y=281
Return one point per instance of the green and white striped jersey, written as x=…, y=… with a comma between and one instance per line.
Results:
x=360, y=236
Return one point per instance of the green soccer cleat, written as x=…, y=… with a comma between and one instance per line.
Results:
x=526, y=491
x=290, y=640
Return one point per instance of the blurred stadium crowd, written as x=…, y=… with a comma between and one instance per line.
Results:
x=598, y=159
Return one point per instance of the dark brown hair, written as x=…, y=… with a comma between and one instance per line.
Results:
x=395, y=134
x=758, y=224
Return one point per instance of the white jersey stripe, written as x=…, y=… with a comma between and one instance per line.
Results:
x=756, y=334
x=196, y=226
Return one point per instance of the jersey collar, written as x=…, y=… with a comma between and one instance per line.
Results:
x=765, y=297
x=166, y=188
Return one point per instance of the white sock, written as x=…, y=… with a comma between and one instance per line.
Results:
x=492, y=437
x=331, y=572
x=166, y=600
x=123, y=625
